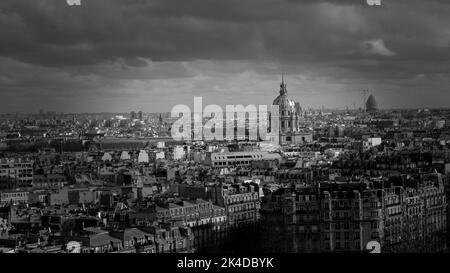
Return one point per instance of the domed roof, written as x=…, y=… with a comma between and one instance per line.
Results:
x=283, y=100
x=371, y=104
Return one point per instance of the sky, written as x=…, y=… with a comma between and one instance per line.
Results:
x=150, y=55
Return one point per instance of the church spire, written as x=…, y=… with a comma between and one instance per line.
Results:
x=283, y=89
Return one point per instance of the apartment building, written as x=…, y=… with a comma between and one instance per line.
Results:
x=16, y=173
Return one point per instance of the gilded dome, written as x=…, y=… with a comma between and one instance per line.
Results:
x=283, y=101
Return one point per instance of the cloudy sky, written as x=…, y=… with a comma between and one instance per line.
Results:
x=123, y=55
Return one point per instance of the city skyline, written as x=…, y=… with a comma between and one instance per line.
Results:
x=113, y=56
x=240, y=132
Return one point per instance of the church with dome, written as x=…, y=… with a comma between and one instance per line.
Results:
x=289, y=120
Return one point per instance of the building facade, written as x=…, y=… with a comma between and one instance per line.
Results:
x=15, y=173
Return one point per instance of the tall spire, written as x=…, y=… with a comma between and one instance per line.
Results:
x=283, y=89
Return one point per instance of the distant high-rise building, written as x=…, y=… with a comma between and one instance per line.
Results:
x=371, y=104
x=133, y=115
x=140, y=115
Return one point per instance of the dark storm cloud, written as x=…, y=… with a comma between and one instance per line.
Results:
x=48, y=32
x=106, y=46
